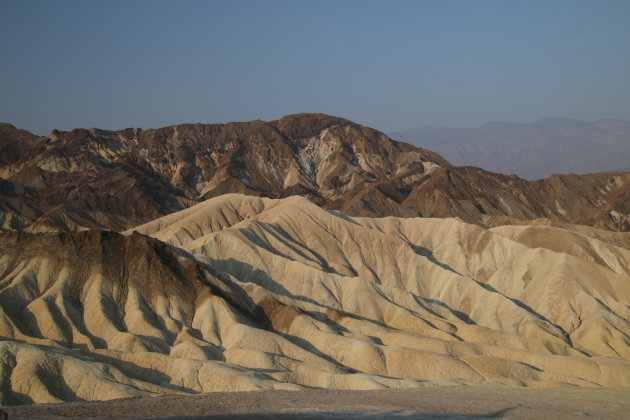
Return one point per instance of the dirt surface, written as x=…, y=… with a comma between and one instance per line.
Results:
x=456, y=402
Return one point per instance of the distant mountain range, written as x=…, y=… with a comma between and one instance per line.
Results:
x=531, y=151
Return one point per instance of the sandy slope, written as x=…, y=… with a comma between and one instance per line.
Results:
x=280, y=294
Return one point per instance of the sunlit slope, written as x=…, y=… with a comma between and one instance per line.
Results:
x=251, y=293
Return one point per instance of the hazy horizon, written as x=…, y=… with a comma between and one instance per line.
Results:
x=388, y=132
x=392, y=66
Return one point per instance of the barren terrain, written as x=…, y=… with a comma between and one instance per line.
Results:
x=89, y=179
x=244, y=293
x=447, y=402
x=130, y=268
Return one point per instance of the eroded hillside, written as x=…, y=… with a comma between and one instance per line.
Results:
x=241, y=292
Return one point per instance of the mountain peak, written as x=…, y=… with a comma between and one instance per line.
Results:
x=146, y=173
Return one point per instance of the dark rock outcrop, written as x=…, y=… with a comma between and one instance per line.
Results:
x=117, y=179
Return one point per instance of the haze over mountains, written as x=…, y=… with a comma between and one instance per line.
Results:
x=307, y=252
x=532, y=151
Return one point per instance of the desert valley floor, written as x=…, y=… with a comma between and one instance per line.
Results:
x=431, y=403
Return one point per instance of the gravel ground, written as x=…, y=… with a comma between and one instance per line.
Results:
x=456, y=402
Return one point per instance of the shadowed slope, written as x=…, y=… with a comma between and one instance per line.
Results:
x=257, y=293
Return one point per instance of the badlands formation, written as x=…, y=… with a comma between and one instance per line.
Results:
x=245, y=293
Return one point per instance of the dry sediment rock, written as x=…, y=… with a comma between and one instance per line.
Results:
x=244, y=293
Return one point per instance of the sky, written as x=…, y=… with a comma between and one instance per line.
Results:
x=391, y=65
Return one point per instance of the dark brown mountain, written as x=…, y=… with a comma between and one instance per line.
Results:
x=477, y=196
x=9, y=134
x=117, y=179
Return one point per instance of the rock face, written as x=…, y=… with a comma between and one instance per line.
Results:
x=113, y=179
x=478, y=196
x=241, y=293
x=86, y=179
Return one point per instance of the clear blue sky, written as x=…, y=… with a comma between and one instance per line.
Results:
x=392, y=65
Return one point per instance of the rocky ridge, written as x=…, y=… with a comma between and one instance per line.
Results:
x=86, y=179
